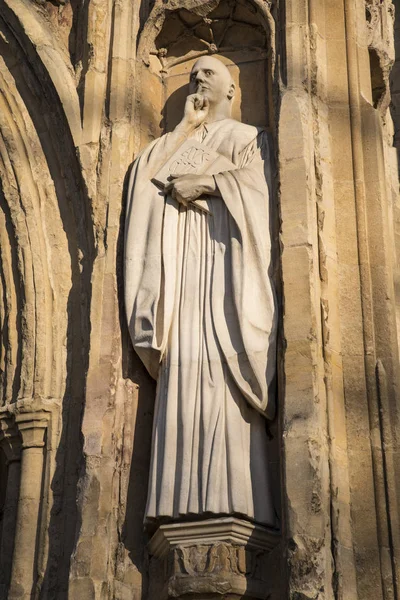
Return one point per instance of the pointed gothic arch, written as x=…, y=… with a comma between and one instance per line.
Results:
x=47, y=251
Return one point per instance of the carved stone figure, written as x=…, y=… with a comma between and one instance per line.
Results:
x=201, y=307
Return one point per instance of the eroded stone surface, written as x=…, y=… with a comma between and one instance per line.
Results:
x=80, y=95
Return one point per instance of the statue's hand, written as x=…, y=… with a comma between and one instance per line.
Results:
x=186, y=188
x=196, y=110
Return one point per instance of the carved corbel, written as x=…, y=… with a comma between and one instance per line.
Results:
x=224, y=558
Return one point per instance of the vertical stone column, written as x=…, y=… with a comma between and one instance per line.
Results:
x=10, y=443
x=32, y=427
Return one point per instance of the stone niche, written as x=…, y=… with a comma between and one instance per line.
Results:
x=241, y=33
x=238, y=32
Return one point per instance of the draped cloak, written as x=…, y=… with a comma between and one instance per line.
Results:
x=202, y=316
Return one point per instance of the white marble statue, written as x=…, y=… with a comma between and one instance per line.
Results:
x=202, y=313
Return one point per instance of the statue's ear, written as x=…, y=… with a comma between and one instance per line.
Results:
x=231, y=92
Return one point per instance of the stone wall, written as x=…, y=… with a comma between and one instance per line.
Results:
x=76, y=404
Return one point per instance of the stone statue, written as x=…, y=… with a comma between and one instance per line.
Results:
x=201, y=310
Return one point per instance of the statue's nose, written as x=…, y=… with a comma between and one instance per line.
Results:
x=199, y=78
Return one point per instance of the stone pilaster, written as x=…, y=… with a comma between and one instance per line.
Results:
x=10, y=443
x=222, y=558
x=32, y=427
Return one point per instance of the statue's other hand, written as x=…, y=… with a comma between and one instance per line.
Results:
x=186, y=188
x=196, y=110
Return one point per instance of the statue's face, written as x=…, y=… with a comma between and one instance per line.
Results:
x=209, y=77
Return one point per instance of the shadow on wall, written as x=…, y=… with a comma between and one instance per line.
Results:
x=133, y=535
x=394, y=79
x=78, y=46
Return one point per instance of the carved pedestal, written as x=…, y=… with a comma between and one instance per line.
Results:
x=222, y=558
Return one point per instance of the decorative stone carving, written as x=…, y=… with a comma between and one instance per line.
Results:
x=201, y=310
x=213, y=33
x=218, y=558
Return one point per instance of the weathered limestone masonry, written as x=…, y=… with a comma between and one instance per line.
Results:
x=79, y=96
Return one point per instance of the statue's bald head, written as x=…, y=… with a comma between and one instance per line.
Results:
x=211, y=78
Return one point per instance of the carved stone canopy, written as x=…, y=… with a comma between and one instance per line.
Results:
x=188, y=29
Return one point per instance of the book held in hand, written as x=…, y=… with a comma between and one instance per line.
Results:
x=193, y=158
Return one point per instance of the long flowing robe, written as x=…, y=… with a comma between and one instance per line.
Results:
x=202, y=317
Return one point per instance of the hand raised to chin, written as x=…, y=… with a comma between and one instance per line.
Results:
x=196, y=111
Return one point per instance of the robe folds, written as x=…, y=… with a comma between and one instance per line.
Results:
x=202, y=316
